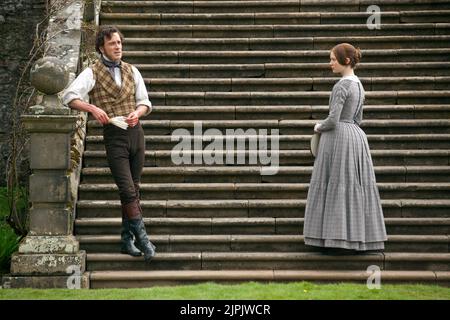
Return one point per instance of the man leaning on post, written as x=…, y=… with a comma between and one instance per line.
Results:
x=116, y=89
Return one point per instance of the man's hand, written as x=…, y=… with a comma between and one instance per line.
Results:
x=133, y=118
x=99, y=114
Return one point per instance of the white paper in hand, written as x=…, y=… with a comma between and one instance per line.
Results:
x=119, y=122
x=314, y=145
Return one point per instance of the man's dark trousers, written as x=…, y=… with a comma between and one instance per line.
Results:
x=125, y=152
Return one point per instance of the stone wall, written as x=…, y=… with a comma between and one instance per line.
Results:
x=55, y=160
x=18, y=19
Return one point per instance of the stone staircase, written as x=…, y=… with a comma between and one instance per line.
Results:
x=261, y=64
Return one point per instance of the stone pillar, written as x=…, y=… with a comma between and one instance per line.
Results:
x=49, y=256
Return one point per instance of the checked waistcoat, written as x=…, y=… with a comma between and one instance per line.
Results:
x=108, y=96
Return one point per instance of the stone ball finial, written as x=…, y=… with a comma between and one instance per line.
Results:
x=49, y=75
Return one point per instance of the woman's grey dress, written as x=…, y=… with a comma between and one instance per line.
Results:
x=343, y=208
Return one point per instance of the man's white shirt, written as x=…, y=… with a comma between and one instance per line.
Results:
x=84, y=83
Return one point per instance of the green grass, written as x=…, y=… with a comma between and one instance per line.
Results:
x=245, y=291
x=212, y=291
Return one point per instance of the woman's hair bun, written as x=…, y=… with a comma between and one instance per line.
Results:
x=343, y=51
x=358, y=55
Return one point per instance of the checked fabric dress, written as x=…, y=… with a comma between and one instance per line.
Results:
x=343, y=208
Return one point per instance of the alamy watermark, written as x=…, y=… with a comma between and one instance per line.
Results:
x=374, y=279
x=374, y=20
x=74, y=280
x=227, y=149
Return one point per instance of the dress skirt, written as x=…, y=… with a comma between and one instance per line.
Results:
x=343, y=208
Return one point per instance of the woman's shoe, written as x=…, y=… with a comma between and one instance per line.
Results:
x=370, y=252
x=339, y=252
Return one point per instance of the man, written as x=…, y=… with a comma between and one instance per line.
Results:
x=116, y=88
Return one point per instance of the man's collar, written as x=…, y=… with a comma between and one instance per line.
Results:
x=109, y=63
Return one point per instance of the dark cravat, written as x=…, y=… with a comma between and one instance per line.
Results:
x=111, y=65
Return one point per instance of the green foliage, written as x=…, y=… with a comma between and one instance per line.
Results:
x=4, y=207
x=14, y=208
x=9, y=240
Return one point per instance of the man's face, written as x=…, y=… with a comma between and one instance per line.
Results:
x=112, y=48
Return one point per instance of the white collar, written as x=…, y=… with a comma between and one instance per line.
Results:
x=352, y=78
x=107, y=59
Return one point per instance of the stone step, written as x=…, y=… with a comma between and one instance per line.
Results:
x=286, y=18
x=281, y=31
x=289, y=142
x=249, y=226
x=252, y=174
x=253, y=208
x=243, y=63
x=290, y=43
x=293, y=112
x=283, y=157
x=290, y=70
x=255, y=243
x=195, y=191
x=291, y=84
x=145, y=279
x=266, y=6
x=200, y=6
x=268, y=261
x=293, y=98
x=285, y=127
x=286, y=56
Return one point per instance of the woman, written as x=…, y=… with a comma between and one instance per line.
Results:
x=343, y=208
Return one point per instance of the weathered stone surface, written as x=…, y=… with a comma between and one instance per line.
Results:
x=50, y=151
x=49, y=110
x=48, y=282
x=57, y=188
x=47, y=264
x=49, y=123
x=50, y=221
x=49, y=244
x=49, y=75
x=64, y=34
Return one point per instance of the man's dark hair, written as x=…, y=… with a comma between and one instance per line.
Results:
x=105, y=31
